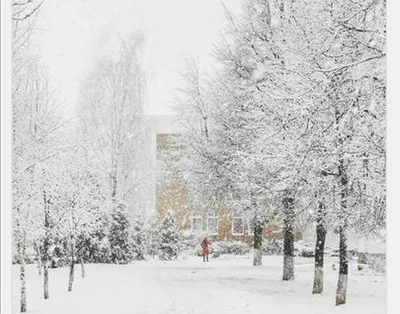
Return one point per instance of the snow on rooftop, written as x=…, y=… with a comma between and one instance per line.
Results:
x=164, y=123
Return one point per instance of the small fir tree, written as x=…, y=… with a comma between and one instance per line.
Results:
x=120, y=238
x=170, y=238
x=153, y=236
x=138, y=239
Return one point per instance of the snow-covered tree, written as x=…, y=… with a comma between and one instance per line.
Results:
x=153, y=236
x=287, y=119
x=111, y=103
x=347, y=117
x=120, y=237
x=138, y=238
x=36, y=126
x=82, y=202
x=170, y=238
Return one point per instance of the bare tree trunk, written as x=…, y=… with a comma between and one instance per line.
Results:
x=46, y=258
x=114, y=181
x=258, y=232
x=46, y=280
x=288, y=240
x=341, y=290
x=39, y=258
x=71, y=267
x=82, y=268
x=22, y=250
x=318, y=286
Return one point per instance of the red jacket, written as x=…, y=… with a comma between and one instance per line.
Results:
x=204, y=244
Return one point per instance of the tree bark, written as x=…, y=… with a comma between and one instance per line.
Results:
x=22, y=273
x=114, y=181
x=288, y=239
x=46, y=280
x=46, y=245
x=71, y=267
x=39, y=258
x=318, y=286
x=258, y=232
x=341, y=290
x=82, y=268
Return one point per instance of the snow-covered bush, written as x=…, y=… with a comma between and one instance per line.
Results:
x=190, y=242
x=231, y=247
x=304, y=249
x=377, y=262
x=272, y=247
x=59, y=254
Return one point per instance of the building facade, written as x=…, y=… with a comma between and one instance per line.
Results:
x=172, y=194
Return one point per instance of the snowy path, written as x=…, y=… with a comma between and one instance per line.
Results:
x=190, y=286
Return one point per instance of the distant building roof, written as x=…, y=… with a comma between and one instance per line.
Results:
x=163, y=123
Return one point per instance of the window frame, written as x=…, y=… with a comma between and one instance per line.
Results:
x=243, y=225
x=192, y=224
x=217, y=225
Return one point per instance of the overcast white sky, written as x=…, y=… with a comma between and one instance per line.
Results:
x=72, y=33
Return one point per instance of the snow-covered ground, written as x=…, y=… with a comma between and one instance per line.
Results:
x=224, y=285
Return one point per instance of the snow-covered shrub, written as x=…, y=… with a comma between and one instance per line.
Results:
x=190, y=242
x=170, y=238
x=272, y=247
x=231, y=247
x=104, y=252
x=92, y=243
x=94, y=247
x=59, y=254
x=304, y=249
x=377, y=262
x=362, y=258
x=215, y=252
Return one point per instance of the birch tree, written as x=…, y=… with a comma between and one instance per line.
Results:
x=112, y=100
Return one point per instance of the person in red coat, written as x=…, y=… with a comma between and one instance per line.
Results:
x=205, y=246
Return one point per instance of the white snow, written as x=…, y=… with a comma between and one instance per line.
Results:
x=259, y=72
x=224, y=285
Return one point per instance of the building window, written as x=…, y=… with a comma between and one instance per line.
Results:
x=250, y=227
x=212, y=225
x=197, y=224
x=237, y=226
